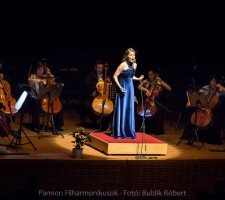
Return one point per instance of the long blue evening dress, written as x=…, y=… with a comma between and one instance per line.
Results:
x=123, y=124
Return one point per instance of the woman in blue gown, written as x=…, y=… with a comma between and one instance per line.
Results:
x=123, y=125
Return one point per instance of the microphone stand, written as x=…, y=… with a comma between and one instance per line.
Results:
x=142, y=128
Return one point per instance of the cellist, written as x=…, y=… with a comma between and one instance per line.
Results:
x=5, y=94
x=212, y=133
x=90, y=92
x=7, y=103
x=34, y=80
x=155, y=123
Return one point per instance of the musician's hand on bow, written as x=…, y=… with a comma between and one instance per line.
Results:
x=158, y=80
x=147, y=93
x=2, y=76
x=98, y=87
x=48, y=72
x=188, y=104
x=108, y=79
x=42, y=82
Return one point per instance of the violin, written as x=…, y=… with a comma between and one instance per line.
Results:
x=102, y=105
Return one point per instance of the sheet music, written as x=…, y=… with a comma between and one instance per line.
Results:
x=197, y=99
x=54, y=91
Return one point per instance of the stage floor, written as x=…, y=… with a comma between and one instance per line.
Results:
x=182, y=168
x=51, y=146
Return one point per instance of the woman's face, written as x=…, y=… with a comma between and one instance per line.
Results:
x=131, y=57
x=151, y=75
x=40, y=71
x=213, y=83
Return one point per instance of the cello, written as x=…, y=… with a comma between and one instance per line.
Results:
x=50, y=104
x=7, y=103
x=149, y=108
x=202, y=118
x=102, y=105
x=4, y=128
x=6, y=99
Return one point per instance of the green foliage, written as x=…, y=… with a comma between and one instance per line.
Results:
x=81, y=137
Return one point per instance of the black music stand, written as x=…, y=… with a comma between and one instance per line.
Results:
x=103, y=106
x=18, y=134
x=143, y=127
x=197, y=100
x=50, y=92
x=112, y=92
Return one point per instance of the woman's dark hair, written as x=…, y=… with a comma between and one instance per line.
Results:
x=41, y=63
x=153, y=69
x=213, y=76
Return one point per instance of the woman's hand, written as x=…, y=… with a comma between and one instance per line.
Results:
x=141, y=78
x=122, y=90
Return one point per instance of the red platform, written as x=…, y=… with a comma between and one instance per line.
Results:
x=109, y=145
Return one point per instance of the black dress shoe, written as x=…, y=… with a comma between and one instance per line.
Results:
x=59, y=129
x=35, y=130
x=14, y=134
x=189, y=142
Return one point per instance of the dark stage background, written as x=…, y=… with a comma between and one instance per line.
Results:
x=184, y=39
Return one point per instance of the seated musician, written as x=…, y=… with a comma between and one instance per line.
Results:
x=210, y=134
x=6, y=97
x=90, y=93
x=155, y=123
x=39, y=77
x=7, y=103
x=1, y=70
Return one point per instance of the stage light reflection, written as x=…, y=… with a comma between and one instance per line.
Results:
x=89, y=152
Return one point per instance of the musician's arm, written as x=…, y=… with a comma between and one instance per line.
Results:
x=163, y=84
x=166, y=86
x=1, y=75
x=34, y=80
x=221, y=88
x=141, y=86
